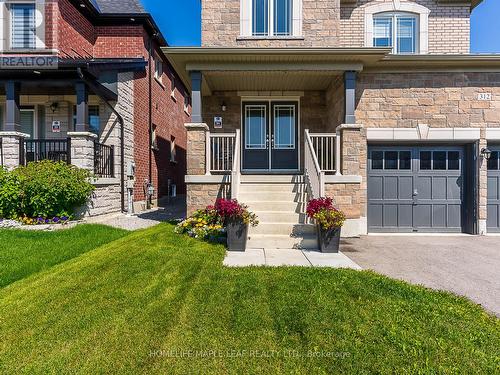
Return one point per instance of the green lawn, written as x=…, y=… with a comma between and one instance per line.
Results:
x=23, y=253
x=157, y=302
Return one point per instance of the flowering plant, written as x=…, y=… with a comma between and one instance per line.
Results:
x=230, y=211
x=325, y=214
x=41, y=220
x=203, y=224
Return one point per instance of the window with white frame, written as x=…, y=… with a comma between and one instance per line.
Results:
x=396, y=30
x=22, y=26
x=158, y=68
x=173, y=150
x=271, y=18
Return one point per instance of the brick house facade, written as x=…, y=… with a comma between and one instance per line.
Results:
x=109, y=70
x=393, y=117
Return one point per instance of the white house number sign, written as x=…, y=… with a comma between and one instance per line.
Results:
x=484, y=96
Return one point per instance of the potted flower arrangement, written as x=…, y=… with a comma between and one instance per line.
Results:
x=205, y=224
x=329, y=221
x=237, y=219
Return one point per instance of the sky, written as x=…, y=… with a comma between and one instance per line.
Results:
x=180, y=23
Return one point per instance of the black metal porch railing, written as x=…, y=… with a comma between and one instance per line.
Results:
x=104, y=160
x=46, y=149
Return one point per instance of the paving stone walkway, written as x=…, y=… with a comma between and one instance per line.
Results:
x=285, y=257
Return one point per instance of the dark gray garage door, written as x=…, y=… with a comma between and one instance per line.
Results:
x=494, y=190
x=415, y=189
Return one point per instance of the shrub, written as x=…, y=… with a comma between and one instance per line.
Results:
x=9, y=194
x=50, y=190
x=325, y=214
x=230, y=210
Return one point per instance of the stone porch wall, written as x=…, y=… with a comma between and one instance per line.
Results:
x=449, y=25
x=200, y=196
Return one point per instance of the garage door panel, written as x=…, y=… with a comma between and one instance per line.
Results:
x=375, y=187
x=493, y=216
x=439, y=187
x=426, y=197
x=493, y=211
x=375, y=215
x=406, y=216
x=406, y=187
x=455, y=215
x=391, y=187
x=493, y=188
x=439, y=215
x=454, y=188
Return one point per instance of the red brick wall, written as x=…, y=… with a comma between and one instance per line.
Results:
x=169, y=117
x=75, y=36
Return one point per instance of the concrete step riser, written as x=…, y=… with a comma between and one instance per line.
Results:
x=270, y=197
x=277, y=242
x=272, y=179
x=281, y=217
x=292, y=207
x=283, y=229
x=289, y=188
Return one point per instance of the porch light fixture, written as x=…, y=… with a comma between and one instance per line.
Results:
x=224, y=107
x=54, y=106
x=486, y=153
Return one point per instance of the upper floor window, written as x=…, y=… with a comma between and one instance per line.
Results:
x=23, y=26
x=274, y=15
x=402, y=26
x=271, y=18
x=158, y=68
x=396, y=30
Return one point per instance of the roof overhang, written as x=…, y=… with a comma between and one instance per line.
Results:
x=268, y=68
x=289, y=69
x=435, y=63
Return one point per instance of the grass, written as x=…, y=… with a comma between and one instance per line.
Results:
x=157, y=302
x=23, y=253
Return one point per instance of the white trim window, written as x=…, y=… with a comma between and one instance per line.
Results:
x=158, y=68
x=396, y=30
x=404, y=26
x=23, y=26
x=271, y=18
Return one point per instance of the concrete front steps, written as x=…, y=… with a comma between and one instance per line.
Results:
x=279, y=201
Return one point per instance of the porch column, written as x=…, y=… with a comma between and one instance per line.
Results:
x=12, y=107
x=11, y=139
x=82, y=107
x=350, y=97
x=196, y=79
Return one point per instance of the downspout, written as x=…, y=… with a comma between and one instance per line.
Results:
x=149, y=200
x=122, y=135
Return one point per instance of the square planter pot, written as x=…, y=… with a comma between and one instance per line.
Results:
x=237, y=236
x=329, y=239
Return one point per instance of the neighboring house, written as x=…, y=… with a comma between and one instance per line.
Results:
x=86, y=82
x=377, y=104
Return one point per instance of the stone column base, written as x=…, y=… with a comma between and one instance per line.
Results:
x=10, y=151
x=82, y=149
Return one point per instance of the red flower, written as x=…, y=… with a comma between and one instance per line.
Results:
x=316, y=205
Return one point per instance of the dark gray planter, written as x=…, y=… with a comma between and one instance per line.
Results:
x=329, y=239
x=237, y=236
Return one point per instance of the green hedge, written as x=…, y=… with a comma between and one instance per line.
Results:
x=44, y=189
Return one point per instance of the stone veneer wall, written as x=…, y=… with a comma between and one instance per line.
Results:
x=200, y=196
x=220, y=22
x=436, y=99
x=449, y=25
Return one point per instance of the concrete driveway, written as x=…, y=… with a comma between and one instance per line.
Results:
x=465, y=265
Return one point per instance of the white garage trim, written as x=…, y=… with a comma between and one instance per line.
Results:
x=493, y=134
x=423, y=134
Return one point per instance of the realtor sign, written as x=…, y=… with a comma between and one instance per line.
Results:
x=28, y=62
